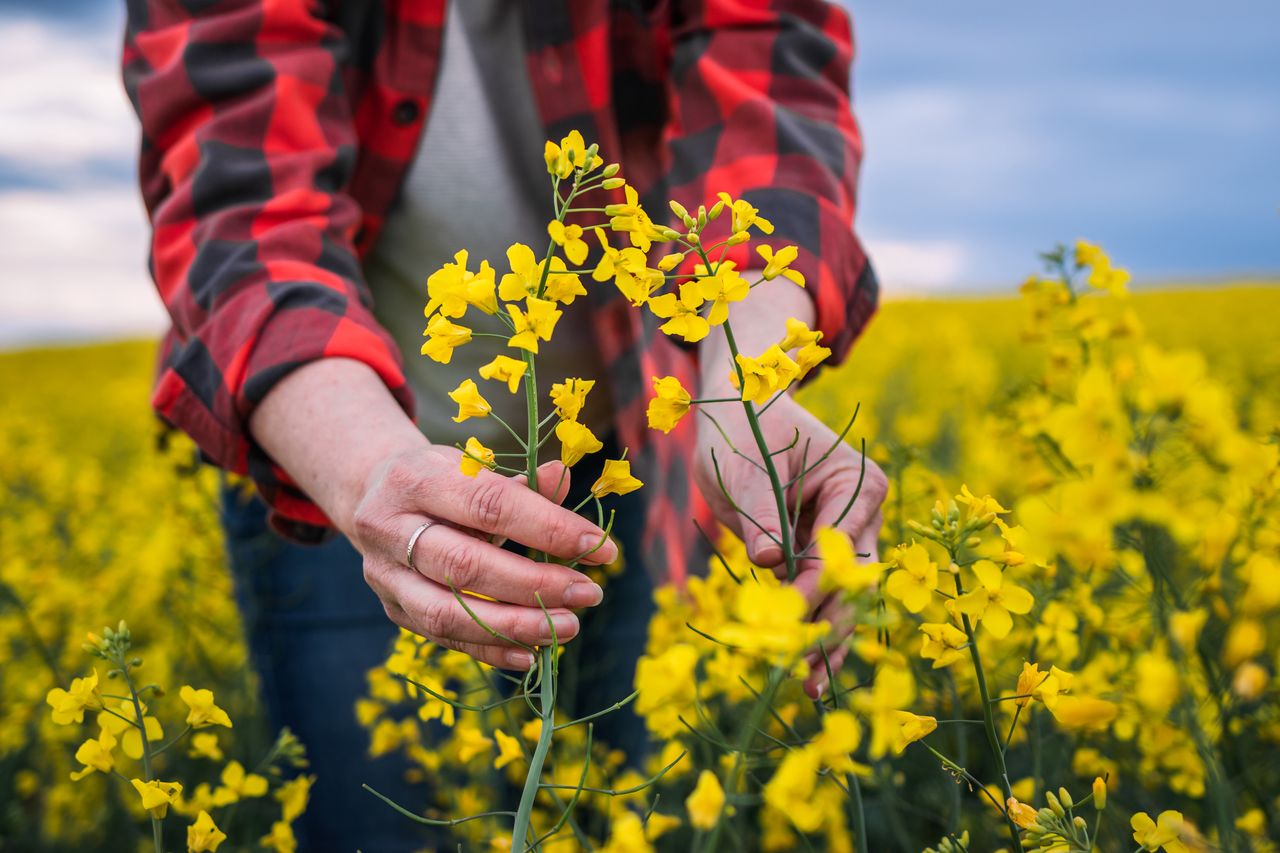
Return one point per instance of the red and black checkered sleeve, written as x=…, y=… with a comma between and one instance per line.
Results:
x=762, y=111
x=247, y=150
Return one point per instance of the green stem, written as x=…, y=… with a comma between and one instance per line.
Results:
x=754, y=718
x=988, y=719
x=775, y=482
x=547, y=700
x=148, y=775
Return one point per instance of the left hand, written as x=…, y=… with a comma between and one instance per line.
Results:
x=827, y=490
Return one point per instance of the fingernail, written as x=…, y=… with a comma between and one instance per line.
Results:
x=518, y=659
x=606, y=553
x=566, y=625
x=581, y=594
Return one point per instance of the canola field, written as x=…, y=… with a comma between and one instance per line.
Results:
x=1172, y=396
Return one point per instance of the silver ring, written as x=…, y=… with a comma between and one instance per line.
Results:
x=413, y=540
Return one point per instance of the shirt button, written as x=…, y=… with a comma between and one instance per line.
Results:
x=405, y=113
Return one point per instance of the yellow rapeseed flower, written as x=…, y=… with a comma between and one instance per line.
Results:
x=452, y=288
x=914, y=579
x=69, y=705
x=443, y=337
x=570, y=237
x=157, y=796
x=670, y=404
x=706, y=801
x=571, y=154
x=204, y=835
x=576, y=441
x=237, y=784
x=943, y=643
x=615, y=479
x=993, y=601
x=681, y=313
x=470, y=403
x=627, y=267
x=840, y=566
x=570, y=396
x=536, y=322
x=771, y=373
x=744, y=215
x=1165, y=831
x=205, y=745
x=722, y=288
x=201, y=708
x=509, y=749
x=779, y=263
x=506, y=369
x=280, y=838
x=294, y=795
x=95, y=755
x=476, y=456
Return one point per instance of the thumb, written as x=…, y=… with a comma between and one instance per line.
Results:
x=758, y=519
x=553, y=481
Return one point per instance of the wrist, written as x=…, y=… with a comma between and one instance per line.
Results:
x=332, y=425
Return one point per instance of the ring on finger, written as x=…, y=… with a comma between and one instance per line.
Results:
x=413, y=541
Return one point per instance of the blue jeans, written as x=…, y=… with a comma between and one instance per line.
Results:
x=314, y=629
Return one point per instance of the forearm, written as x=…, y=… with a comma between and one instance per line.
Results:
x=758, y=322
x=330, y=424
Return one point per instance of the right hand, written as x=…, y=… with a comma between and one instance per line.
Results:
x=458, y=551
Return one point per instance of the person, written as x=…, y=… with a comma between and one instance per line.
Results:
x=305, y=165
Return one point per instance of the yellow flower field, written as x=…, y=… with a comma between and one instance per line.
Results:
x=1115, y=455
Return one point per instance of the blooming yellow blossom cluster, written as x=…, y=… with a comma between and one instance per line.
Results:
x=1105, y=620
x=131, y=746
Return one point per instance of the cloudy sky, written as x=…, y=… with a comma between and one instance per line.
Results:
x=993, y=130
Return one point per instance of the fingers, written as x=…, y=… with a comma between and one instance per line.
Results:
x=839, y=484
x=496, y=654
x=756, y=519
x=494, y=504
x=455, y=560
x=433, y=611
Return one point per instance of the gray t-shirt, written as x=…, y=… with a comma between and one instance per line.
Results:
x=479, y=183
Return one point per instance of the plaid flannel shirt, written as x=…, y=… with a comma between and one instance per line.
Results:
x=276, y=136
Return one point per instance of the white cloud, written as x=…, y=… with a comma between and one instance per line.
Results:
x=63, y=106
x=907, y=267
x=73, y=266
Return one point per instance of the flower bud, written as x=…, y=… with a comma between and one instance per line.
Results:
x=973, y=541
x=1099, y=793
x=1079, y=822
x=678, y=209
x=610, y=170
x=715, y=211
x=613, y=183
x=1064, y=797
x=1054, y=805
x=702, y=216
x=670, y=234
x=689, y=222
x=693, y=238
x=739, y=238
x=614, y=209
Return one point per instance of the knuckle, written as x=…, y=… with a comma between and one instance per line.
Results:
x=368, y=521
x=457, y=564
x=440, y=620
x=489, y=503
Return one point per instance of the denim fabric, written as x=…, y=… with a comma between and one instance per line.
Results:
x=314, y=628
